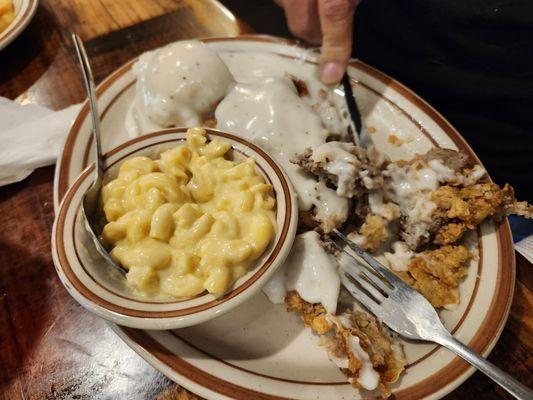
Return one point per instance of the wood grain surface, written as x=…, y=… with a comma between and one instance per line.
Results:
x=50, y=347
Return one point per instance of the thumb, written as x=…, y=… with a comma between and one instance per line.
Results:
x=336, y=22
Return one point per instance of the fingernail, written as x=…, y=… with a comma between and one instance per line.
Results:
x=331, y=73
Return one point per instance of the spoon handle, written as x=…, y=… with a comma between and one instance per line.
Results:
x=93, y=103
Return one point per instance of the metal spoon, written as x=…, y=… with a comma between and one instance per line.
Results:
x=92, y=196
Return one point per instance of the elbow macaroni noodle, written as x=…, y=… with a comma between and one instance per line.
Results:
x=190, y=221
x=7, y=13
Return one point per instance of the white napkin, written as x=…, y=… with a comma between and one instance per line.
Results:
x=31, y=136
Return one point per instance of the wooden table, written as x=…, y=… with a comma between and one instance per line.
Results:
x=50, y=347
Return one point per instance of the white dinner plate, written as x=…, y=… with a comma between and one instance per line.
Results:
x=24, y=12
x=259, y=351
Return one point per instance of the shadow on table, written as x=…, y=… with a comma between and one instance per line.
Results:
x=41, y=40
x=25, y=287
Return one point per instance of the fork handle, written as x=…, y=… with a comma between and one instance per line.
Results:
x=503, y=379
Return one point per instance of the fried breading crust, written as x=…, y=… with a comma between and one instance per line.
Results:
x=386, y=356
x=375, y=231
x=313, y=315
x=436, y=274
x=372, y=234
x=462, y=209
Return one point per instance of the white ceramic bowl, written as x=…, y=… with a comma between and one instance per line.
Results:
x=102, y=290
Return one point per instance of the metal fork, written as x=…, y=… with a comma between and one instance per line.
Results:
x=408, y=313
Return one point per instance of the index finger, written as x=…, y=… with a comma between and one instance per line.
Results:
x=336, y=21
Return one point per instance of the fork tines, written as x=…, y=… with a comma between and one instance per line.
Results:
x=370, y=283
x=359, y=283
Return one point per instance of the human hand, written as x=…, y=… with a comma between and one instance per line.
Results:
x=326, y=22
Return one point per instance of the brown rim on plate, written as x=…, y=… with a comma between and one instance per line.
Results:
x=193, y=373
x=491, y=326
x=95, y=299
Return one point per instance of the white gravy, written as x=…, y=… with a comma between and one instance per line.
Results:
x=269, y=112
x=178, y=84
x=309, y=270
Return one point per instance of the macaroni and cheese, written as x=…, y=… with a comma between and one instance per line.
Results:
x=189, y=221
x=7, y=13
